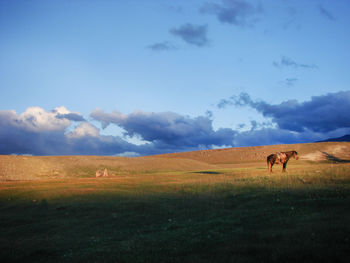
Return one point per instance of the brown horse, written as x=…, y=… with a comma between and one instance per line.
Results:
x=280, y=157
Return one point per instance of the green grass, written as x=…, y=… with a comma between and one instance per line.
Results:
x=237, y=215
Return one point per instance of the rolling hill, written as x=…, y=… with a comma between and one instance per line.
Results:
x=44, y=167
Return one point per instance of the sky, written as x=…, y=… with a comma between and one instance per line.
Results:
x=143, y=77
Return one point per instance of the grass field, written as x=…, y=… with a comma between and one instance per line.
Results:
x=188, y=207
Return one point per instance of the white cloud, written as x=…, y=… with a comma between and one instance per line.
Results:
x=37, y=119
x=84, y=129
x=61, y=110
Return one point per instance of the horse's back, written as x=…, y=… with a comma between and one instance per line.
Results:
x=282, y=156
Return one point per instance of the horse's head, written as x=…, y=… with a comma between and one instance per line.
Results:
x=295, y=154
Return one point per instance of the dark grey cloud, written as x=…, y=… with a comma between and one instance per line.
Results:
x=61, y=113
x=16, y=140
x=71, y=116
x=324, y=12
x=323, y=114
x=270, y=136
x=162, y=46
x=234, y=12
x=167, y=129
x=192, y=34
x=288, y=62
x=99, y=145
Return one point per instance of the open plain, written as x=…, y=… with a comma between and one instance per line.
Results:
x=205, y=206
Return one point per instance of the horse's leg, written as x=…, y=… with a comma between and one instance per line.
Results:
x=270, y=166
x=284, y=167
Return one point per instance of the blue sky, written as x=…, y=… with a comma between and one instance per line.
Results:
x=144, y=77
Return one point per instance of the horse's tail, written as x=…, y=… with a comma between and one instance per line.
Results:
x=268, y=162
x=269, y=158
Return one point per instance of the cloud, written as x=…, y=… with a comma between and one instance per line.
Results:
x=291, y=19
x=289, y=82
x=323, y=114
x=288, y=62
x=325, y=13
x=234, y=12
x=128, y=154
x=84, y=129
x=192, y=34
x=167, y=129
x=71, y=117
x=39, y=132
x=97, y=144
x=241, y=100
x=162, y=46
x=259, y=125
x=63, y=113
x=34, y=119
x=270, y=136
x=274, y=136
x=176, y=8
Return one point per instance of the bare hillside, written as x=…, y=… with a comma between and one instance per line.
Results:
x=39, y=167
x=307, y=151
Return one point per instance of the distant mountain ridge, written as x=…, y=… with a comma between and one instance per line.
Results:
x=345, y=138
